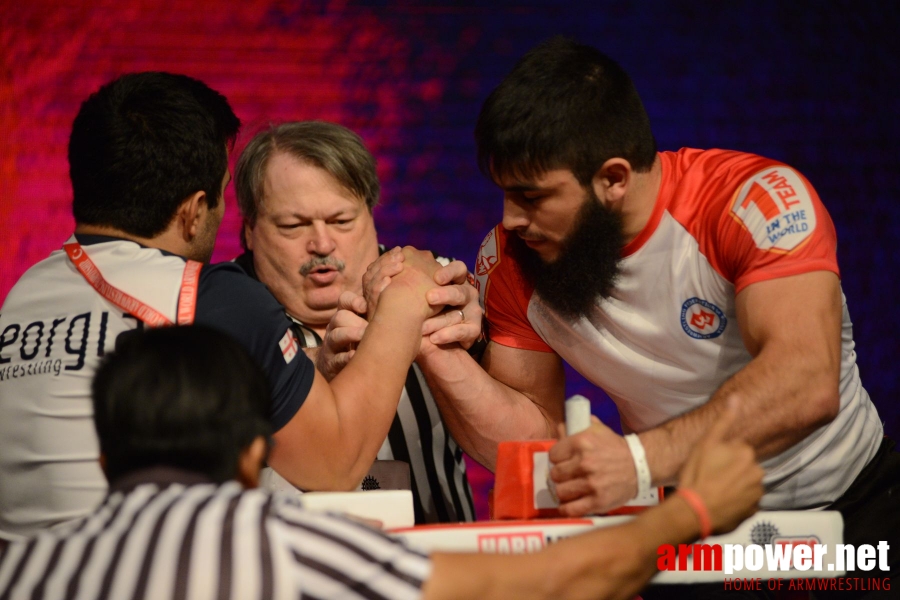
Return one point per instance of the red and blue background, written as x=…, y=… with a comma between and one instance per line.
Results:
x=814, y=84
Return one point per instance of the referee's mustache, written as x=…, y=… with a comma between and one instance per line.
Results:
x=319, y=262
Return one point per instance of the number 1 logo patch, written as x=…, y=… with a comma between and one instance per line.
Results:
x=775, y=207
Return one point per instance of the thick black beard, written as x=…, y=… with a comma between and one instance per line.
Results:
x=587, y=266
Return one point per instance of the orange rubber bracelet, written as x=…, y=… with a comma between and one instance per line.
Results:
x=697, y=505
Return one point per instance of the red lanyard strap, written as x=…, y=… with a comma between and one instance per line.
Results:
x=187, y=298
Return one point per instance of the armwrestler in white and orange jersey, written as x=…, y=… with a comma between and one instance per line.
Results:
x=673, y=280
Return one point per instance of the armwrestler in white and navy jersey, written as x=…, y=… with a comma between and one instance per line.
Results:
x=54, y=330
x=148, y=164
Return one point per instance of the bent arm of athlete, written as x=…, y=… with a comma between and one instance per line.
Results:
x=513, y=394
x=331, y=442
x=615, y=562
x=792, y=328
x=517, y=395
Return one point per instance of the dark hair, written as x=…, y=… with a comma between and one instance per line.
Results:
x=336, y=149
x=564, y=105
x=142, y=144
x=188, y=397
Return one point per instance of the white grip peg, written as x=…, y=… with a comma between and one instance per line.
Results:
x=578, y=414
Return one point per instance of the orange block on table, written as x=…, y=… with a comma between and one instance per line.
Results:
x=521, y=490
x=513, y=495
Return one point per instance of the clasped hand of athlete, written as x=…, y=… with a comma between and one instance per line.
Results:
x=459, y=322
x=594, y=472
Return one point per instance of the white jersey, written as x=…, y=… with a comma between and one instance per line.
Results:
x=668, y=337
x=54, y=330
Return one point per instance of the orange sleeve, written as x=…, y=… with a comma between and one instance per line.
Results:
x=776, y=226
x=505, y=295
x=753, y=218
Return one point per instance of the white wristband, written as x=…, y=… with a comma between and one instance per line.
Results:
x=640, y=463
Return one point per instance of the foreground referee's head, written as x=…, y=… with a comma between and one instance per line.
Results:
x=184, y=397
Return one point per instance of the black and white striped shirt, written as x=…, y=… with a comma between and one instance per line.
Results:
x=441, y=492
x=163, y=533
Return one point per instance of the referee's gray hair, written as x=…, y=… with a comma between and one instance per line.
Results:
x=328, y=146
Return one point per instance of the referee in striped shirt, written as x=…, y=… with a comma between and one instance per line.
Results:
x=182, y=418
x=306, y=191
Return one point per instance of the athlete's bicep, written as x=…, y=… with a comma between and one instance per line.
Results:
x=535, y=374
x=304, y=451
x=797, y=315
x=792, y=328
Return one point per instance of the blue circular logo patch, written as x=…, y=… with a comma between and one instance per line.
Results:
x=702, y=320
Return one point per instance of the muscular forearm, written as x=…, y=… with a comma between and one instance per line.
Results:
x=610, y=563
x=782, y=396
x=368, y=389
x=478, y=410
x=332, y=441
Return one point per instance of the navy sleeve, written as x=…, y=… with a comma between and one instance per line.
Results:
x=232, y=302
